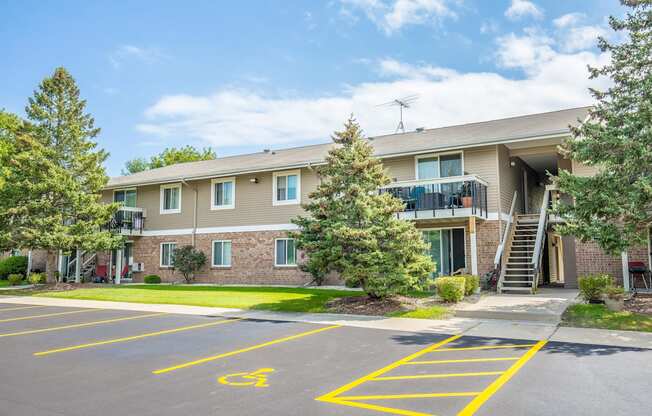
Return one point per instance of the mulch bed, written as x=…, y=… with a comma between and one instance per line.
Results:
x=640, y=304
x=364, y=305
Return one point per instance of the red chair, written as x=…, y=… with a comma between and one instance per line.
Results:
x=638, y=269
x=101, y=273
x=125, y=271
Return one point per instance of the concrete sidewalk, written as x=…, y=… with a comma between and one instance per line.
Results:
x=492, y=328
x=546, y=306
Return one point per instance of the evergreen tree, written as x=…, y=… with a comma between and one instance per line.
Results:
x=614, y=206
x=61, y=193
x=354, y=230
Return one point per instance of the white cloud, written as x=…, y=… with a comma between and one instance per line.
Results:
x=522, y=8
x=236, y=118
x=582, y=37
x=124, y=53
x=489, y=27
x=392, y=15
x=570, y=19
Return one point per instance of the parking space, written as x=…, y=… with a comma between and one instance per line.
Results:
x=76, y=361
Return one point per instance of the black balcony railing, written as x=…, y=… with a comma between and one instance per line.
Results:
x=128, y=221
x=461, y=195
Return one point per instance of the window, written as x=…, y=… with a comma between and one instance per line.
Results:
x=439, y=166
x=223, y=193
x=447, y=249
x=167, y=249
x=287, y=188
x=170, y=199
x=286, y=252
x=127, y=197
x=221, y=253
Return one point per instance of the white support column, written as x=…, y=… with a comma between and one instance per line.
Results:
x=60, y=266
x=78, y=260
x=29, y=263
x=625, y=258
x=474, y=246
x=118, y=265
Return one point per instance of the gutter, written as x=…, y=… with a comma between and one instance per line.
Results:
x=514, y=139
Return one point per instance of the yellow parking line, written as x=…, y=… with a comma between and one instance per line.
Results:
x=47, y=315
x=409, y=396
x=243, y=350
x=469, y=360
x=476, y=403
x=57, y=328
x=20, y=308
x=135, y=337
x=487, y=347
x=418, y=376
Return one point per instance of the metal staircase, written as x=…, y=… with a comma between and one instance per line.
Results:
x=522, y=251
x=87, y=269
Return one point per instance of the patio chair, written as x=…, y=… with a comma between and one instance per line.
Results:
x=100, y=273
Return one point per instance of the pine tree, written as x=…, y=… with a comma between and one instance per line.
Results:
x=58, y=199
x=614, y=206
x=354, y=230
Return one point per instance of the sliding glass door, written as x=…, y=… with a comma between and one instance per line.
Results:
x=447, y=249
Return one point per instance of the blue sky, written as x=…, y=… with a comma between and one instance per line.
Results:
x=243, y=76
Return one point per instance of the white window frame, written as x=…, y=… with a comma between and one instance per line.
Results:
x=168, y=266
x=295, y=201
x=164, y=211
x=276, y=248
x=222, y=180
x=437, y=155
x=221, y=266
x=125, y=190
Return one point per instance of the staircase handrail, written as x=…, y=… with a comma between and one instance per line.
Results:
x=508, y=226
x=541, y=235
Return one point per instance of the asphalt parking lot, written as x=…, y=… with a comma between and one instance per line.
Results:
x=72, y=361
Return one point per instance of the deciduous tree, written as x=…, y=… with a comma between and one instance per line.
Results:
x=170, y=156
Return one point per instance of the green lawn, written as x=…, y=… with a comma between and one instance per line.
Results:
x=598, y=316
x=4, y=283
x=432, y=312
x=242, y=297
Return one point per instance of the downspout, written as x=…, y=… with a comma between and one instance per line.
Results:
x=194, y=210
x=500, y=205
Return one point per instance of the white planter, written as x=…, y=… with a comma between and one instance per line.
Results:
x=615, y=305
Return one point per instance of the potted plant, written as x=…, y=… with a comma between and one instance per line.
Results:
x=467, y=199
x=614, y=298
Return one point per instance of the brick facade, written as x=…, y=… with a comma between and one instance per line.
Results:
x=487, y=243
x=590, y=259
x=252, y=259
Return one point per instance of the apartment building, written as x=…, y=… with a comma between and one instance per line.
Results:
x=478, y=192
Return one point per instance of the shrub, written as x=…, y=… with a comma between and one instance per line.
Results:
x=450, y=288
x=36, y=278
x=471, y=284
x=12, y=265
x=614, y=292
x=15, y=279
x=593, y=286
x=187, y=260
x=152, y=279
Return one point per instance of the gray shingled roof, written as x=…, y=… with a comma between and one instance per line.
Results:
x=438, y=139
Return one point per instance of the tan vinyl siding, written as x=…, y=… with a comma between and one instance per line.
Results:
x=583, y=170
x=482, y=162
x=148, y=197
x=400, y=168
x=253, y=202
x=511, y=179
x=107, y=197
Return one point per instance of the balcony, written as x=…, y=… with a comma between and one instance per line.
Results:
x=459, y=196
x=128, y=221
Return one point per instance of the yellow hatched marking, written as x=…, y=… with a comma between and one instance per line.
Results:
x=22, y=318
x=332, y=396
x=415, y=377
x=409, y=396
x=21, y=308
x=476, y=403
x=135, y=337
x=243, y=350
x=469, y=360
x=384, y=409
x=57, y=328
x=487, y=347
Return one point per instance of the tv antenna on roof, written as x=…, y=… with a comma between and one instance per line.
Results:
x=401, y=103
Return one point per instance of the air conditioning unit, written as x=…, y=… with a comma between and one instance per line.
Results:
x=138, y=267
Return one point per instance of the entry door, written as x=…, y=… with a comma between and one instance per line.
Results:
x=447, y=249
